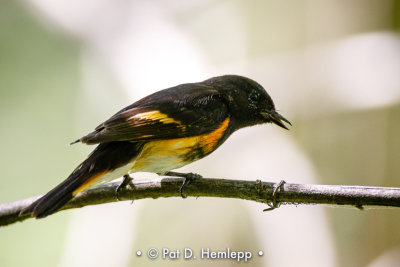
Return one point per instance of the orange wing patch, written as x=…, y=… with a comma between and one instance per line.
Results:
x=157, y=116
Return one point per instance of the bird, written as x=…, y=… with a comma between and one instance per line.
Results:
x=162, y=132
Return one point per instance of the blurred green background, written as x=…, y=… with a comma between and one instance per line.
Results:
x=65, y=67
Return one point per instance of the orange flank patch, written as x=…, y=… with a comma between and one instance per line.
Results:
x=209, y=141
x=163, y=155
x=90, y=181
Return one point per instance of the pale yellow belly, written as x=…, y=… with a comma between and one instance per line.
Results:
x=165, y=155
x=162, y=156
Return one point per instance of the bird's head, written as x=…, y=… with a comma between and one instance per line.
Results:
x=248, y=101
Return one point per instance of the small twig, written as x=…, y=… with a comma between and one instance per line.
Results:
x=357, y=196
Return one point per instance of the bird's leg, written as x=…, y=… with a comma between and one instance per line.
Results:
x=275, y=203
x=125, y=182
x=187, y=178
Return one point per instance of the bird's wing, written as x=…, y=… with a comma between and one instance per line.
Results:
x=164, y=115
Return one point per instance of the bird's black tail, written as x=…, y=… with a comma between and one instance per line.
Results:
x=106, y=157
x=56, y=198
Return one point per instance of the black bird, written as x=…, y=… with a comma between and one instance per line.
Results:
x=164, y=131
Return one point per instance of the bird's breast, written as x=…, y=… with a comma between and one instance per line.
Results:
x=161, y=156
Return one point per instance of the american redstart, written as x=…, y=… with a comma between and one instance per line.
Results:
x=164, y=131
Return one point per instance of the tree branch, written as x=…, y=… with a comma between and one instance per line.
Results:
x=258, y=191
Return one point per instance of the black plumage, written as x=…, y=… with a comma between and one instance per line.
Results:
x=164, y=131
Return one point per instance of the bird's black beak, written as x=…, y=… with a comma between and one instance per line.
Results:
x=276, y=118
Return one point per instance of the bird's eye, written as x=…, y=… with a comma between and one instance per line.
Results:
x=253, y=97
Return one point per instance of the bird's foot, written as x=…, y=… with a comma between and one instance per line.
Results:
x=187, y=178
x=125, y=182
x=275, y=204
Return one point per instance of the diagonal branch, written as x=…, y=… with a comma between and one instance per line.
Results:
x=258, y=191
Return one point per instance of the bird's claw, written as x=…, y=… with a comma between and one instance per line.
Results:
x=125, y=182
x=275, y=204
x=187, y=178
